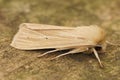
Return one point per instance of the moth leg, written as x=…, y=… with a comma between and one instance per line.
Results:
x=51, y=51
x=70, y=52
x=96, y=55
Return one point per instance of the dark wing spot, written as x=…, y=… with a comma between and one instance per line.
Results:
x=46, y=37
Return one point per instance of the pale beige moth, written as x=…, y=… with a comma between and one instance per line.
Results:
x=76, y=39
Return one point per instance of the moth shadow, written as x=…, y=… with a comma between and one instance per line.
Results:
x=39, y=51
x=81, y=57
x=42, y=51
x=76, y=56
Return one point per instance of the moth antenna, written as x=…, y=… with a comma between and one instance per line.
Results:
x=112, y=43
x=48, y=52
x=96, y=55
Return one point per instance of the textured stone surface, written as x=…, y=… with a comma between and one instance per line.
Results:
x=23, y=65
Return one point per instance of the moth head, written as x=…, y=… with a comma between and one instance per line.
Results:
x=96, y=36
x=100, y=39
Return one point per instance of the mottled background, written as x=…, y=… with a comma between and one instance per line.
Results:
x=23, y=65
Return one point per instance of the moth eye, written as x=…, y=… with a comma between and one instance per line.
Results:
x=98, y=48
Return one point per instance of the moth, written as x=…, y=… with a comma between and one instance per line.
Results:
x=76, y=39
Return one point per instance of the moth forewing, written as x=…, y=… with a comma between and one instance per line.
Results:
x=38, y=36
